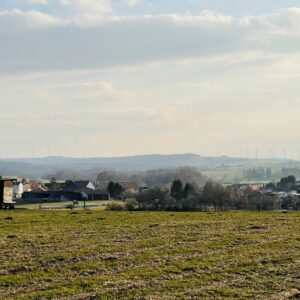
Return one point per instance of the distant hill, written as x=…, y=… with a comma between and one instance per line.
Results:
x=38, y=167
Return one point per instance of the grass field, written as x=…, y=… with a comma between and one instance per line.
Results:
x=140, y=255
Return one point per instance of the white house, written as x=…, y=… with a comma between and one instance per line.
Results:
x=18, y=190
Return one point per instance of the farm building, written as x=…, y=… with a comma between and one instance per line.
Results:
x=98, y=195
x=81, y=184
x=59, y=196
x=49, y=196
x=6, y=193
x=18, y=190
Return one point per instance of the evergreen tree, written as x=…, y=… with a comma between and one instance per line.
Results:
x=188, y=190
x=176, y=189
x=114, y=189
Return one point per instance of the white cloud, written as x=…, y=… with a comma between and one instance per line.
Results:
x=133, y=2
x=126, y=40
x=111, y=42
x=33, y=2
x=89, y=7
x=189, y=106
x=19, y=21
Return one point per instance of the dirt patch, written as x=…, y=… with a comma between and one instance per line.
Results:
x=292, y=294
x=153, y=225
x=258, y=227
x=20, y=269
x=12, y=236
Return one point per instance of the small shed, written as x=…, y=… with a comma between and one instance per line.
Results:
x=98, y=195
x=6, y=193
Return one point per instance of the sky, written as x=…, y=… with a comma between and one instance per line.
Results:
x=89, y=78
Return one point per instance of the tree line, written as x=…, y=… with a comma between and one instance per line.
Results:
x=286, y=184
x=213, y=195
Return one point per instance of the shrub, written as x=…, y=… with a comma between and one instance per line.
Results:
x=115, y=207
x=131, y=205
x=70, y=206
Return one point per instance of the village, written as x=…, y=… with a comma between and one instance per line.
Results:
x=283, y=195
x=16, y=191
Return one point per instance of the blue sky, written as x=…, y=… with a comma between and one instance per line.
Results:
x=132, y=77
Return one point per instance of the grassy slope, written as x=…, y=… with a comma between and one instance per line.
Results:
x=112, y=255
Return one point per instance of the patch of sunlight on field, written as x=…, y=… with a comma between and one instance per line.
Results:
x=94, y=205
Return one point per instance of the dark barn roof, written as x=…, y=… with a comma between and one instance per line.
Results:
x=81, y=183
x=76, y=185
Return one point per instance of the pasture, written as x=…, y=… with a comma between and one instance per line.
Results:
x=98, y=254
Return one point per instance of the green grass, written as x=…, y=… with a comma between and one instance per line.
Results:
x=98, y=205
x=141, y=255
